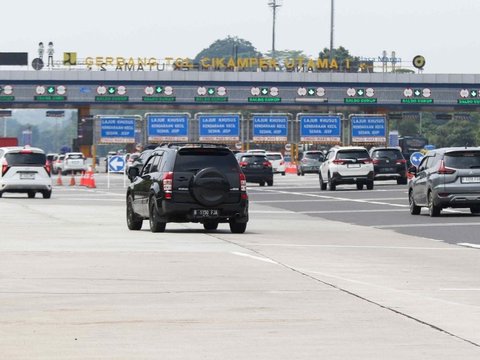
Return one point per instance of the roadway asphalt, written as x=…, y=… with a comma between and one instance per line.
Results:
x=338, y=275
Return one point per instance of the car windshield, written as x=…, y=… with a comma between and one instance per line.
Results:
x=274, y=157
x=313, y=155
x=352, y=154
x=75, y=156
x=463, y=160
x=15, y=159
x=387, y=154
x=197, y=159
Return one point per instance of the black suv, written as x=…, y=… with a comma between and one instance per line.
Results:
x=194, y=182
x=389, y=163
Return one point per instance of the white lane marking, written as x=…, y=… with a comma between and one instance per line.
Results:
x=255, y=257
x=271, y=212
x=350, y=211
x=315, y=200
x=452, y=248
x=424, y=225
x=475, y=246
x=459, y=289
x=87, y=199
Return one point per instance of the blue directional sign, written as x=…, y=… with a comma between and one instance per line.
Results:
x=320, y=128
x=219, y=127
x=165, y=127
x=116, y=164
x=368, y=129
x=416, y=158
x=270, y=128
x=117, y=130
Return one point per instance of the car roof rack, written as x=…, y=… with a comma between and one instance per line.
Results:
x=193, y=144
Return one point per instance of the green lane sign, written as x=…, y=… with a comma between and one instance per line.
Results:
x=359, y=100
x=212, y=99
x=264, y=100
x=7, y=98
x=468, y=101
x=159, y=99
x=50, y=98
x=416, y=101
x=107, y=98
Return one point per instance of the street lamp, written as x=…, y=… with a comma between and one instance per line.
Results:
x=274, y=5
x=332, y=27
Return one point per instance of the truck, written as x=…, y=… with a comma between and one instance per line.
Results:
x=8, y=141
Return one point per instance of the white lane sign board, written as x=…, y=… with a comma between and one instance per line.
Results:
x=116, y=164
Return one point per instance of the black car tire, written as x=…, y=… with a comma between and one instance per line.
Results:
x=331, y=184
x=370, y=185
x=47, y=194
x=414, y=209
x=1, y=194
x=210, y=225
x=261, y=183
x=283, y=173
x=31, y=194
x=323, y=186
x=237, y=227
x=155, y=224
x=475, y=209
x=402, y=181
x=134, y=222
x=210, y=187
x=270, y=182
x=359, y=186
x=433, y=210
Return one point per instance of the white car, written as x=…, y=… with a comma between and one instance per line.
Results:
x=346, y=165
x=278, y=162
x=24, y=170
x=74, y=162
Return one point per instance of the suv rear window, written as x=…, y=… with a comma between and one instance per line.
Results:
x=197, y=159
x=392, y=154
x=17, y=159
x=274, y=157
x=314, y=155
x=463, y=160
x=253, y=158
x=352, y=154
x=75, y=156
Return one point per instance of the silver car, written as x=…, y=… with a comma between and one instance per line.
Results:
x=446, y=178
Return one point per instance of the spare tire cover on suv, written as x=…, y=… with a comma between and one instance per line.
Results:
x=210, y=187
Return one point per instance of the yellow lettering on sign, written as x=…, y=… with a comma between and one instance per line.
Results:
x=98, y=60
x=231, y=63
x=89, y=61
x=242, y=62
x=289, y=64
x=205, y=62
x=109, y=60
x=253, y=62
x=120, y=61
x=334, y=64
x=322, y=63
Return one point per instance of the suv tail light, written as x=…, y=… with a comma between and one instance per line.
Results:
x=338, y=162
x=445, y=170
x=5, y=167
x=375, y=161
x=267, y=164
x=48, y=169
x=401, y=162
x=168, y=185
x=243, y=163
x=243, y=186
x=366, y=161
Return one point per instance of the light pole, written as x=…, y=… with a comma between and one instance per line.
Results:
x=332, y=27
x=274, y=5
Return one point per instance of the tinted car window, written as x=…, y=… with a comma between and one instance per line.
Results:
x=274, y=157
x=25, y=159
x=75, y=156
x=387, y=154
x=313, y=155
x=352, y=154
x=253, y=158
x=463, y=160
x=197, y=159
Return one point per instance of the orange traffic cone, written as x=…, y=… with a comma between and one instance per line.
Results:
x=59, y=179
x=72, y=180
x=83, y=179
x=91, y=179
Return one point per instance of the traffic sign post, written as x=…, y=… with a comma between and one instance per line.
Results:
x=416, y=158
x=116, y=164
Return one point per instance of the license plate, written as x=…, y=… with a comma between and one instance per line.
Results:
x=256, y=166
x=27, y=176
x=471, y=179
x=387, y=170
x=353, y=165
x=205, y=213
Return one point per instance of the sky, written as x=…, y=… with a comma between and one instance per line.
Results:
x=444, y=32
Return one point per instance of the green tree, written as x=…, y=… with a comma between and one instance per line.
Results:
x=230, y=47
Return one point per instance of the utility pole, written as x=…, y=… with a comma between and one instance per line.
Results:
x=274, y=5
x=332, y=27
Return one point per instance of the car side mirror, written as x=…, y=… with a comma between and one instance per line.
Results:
x=413, y=170
x=133, y=173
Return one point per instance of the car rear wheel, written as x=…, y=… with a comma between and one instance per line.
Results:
x=262, y=183
x=210, y=225
x=475, y=209
x=270, y=182
x=283, y=173
x=331, y=184
x=323, y=186
x=359, y=186
x=155, y=224
x=237, y=228
x=433, y=210
x=370, y=185
x=414, y=209
x=134, y=222
x=47, y=194
x=31, y=194
x=1, y=194
x=402, y=181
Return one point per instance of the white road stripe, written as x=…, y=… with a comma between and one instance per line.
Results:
x=424, y=225
x=255, y=257
x=459, y=289
x=475, y=246
x=451, y=248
